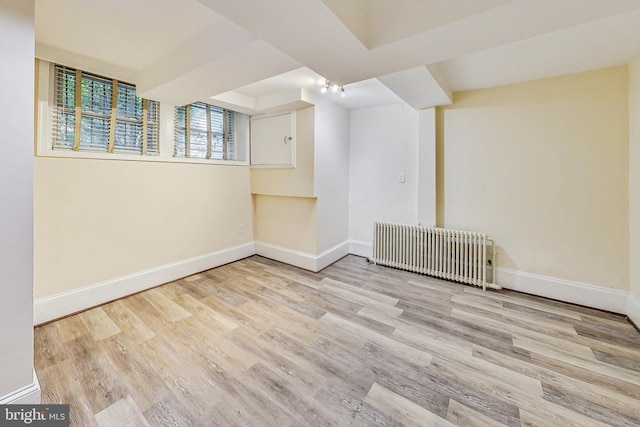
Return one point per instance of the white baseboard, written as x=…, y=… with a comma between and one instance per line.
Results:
x=564, y=290
x=66, y=303
x=28, y=395
x=633, y=309
x=301, y=259
x=363, y=249
x=331, y=255
x=550, y=287
x=288, y=256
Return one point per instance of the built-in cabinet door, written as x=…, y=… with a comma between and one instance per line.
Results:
x=273, y=142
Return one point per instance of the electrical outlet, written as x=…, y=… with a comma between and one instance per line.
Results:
x=240, y=229
x=401, y=177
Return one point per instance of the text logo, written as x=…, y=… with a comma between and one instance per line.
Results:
x=34, y=415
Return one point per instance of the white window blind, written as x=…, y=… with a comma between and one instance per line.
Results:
x=204, y=131
x=92, y=113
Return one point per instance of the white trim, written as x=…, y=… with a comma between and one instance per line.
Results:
x=66, y=303
x=585, y=294
x=363, y=249
x=69, y=154
x=288, y=256
x=633, y=309
x=27, y=395
x=613, y=300
x=301, y=259
x=331, y=255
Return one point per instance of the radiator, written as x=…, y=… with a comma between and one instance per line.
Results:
x=460, y=256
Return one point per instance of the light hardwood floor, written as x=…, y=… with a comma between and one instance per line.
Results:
x=261, y=343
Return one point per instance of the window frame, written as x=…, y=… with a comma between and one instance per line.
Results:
x=44, y=110
x=210, y=134
x=97, y=100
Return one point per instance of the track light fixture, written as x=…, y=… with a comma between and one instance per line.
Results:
x=327, y=84
x=333, y=86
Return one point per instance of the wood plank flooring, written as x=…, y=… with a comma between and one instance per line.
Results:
x=260, y=343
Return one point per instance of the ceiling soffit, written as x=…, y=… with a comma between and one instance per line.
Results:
x=379, y=22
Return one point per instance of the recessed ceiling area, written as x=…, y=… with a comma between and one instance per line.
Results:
x=379, y=22
x=598, y=44
x=416, y=51
x=129, y=33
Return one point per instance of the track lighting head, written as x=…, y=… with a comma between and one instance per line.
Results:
x=333, y=86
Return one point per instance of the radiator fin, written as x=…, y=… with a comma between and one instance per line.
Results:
x=460, y=256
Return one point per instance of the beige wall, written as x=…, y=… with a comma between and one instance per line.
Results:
x=634, y=177
x=98, y=220
x=286, y=222
x=542, y=168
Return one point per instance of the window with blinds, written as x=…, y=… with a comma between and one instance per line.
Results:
x=92, y=113
x=204, y=131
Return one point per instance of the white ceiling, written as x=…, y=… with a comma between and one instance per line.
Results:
x=248, y=51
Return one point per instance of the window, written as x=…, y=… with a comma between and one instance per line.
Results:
x=92, y=113
x=204, y=131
